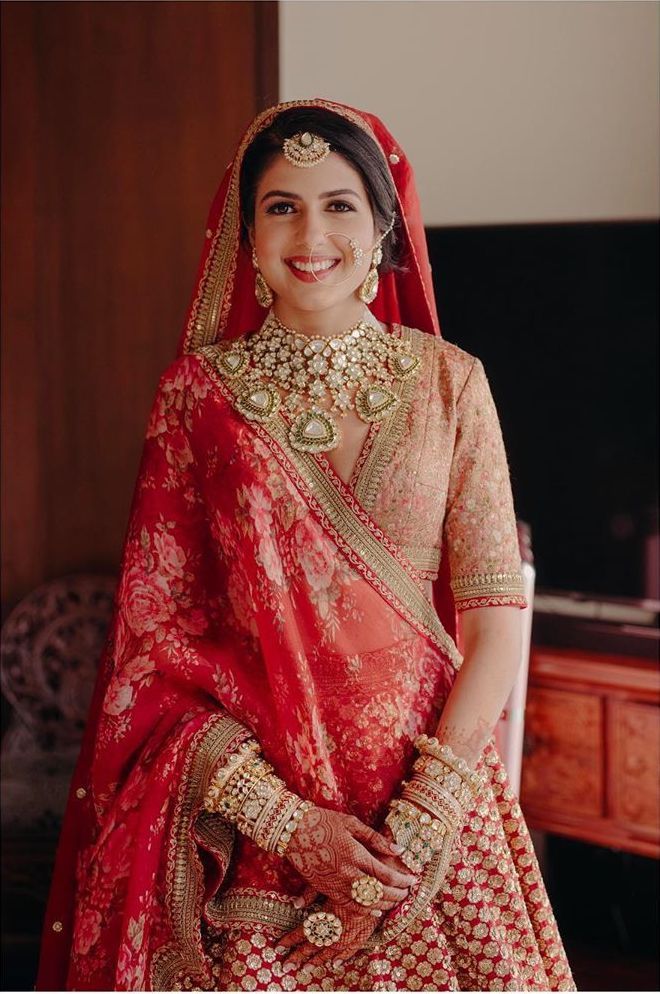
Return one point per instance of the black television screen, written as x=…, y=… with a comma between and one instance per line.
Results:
x=565, y=318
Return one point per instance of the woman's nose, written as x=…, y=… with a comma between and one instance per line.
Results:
x=311, y=230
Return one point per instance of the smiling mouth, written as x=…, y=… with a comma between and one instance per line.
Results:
x=316, y=266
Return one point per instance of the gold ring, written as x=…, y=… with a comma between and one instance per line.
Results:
x=322, y=928
x=367, y=891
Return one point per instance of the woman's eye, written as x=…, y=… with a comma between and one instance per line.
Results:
x=342, y=206
x=279, y=208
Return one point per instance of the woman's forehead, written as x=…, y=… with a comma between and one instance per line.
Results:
x=333, y=174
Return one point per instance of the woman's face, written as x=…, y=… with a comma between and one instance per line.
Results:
x=317, y=210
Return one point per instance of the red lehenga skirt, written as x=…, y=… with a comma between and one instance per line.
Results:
x=491, y=926
x=255, y=589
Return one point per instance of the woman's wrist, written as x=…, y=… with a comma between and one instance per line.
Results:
x=247, y=792
x=433, y=802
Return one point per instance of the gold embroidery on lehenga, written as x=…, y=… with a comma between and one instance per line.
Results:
x=365, y=545
x=237, y=906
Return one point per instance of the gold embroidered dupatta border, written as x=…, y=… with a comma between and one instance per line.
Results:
x=364, y=544
x=184, y=873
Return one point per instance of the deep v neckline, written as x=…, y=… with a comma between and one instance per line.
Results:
x=367, y=444
x=379, y=444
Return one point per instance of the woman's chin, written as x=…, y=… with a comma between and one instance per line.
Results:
x=311, y=298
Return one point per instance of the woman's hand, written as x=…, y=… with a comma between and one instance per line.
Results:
x=331, y=850
x=357, y=928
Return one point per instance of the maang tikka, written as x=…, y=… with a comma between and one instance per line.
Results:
x=262, y=291
x=305, y=149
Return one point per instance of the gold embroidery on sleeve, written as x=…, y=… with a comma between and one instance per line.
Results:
x=483, y=584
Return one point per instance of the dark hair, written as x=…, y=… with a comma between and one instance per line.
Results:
x=346, y=138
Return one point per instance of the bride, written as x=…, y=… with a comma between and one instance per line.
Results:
x=289, y=779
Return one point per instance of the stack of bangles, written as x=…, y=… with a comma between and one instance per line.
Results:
x=247, y=792
x=433, y=803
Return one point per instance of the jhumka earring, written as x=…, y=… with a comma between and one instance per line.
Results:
x=262, y=291
x=369, y=286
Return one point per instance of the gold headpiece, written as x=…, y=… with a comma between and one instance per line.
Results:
x=305, y=149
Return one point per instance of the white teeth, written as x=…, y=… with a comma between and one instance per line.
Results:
x=313, y=267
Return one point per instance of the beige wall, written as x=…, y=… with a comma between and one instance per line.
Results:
x=510, y=112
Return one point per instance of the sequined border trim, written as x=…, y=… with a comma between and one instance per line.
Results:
x=378, y=458
x=492, y=600
x=480, y=584
x=425, y=558
x=363, y=543
x=185, y=874
x=246, y=905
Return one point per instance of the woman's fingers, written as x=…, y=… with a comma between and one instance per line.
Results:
x=308, y=896
x=395, y=885
x=293, y=938
x=374, y=840
x=388, y=875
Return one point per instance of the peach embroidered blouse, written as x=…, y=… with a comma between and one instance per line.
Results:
x=439, y=463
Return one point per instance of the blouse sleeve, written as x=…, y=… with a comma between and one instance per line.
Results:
x=480, y=523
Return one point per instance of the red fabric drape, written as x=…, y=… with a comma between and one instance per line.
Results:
x=197, y=635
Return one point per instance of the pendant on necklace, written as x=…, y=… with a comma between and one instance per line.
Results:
x=259, y=402
x=314, y=431
x=375, y=402
x=403, y=363
x=233, y=362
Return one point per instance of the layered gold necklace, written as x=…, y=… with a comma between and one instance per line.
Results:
x=354, y=371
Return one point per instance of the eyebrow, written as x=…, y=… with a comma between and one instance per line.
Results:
x=322, y=196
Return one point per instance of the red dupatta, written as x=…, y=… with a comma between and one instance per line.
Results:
x=247, y=569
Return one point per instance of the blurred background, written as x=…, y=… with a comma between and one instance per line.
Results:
x=533, y=131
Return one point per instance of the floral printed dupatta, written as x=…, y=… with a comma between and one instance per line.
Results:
x=255, y=595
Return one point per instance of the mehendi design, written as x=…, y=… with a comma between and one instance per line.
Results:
x=468, y=743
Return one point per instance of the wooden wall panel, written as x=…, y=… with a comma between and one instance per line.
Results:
x=118, y=122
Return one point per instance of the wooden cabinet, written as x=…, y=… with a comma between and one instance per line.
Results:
x=591, y=753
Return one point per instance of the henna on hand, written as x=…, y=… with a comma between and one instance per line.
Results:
x=330, y=850
x=357, y=929
x=468, y=743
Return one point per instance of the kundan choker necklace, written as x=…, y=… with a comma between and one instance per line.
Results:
x=277, y=360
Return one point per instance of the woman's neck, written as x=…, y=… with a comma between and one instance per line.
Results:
x=322, y=323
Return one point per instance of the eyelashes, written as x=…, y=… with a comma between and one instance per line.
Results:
x=345, y=207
